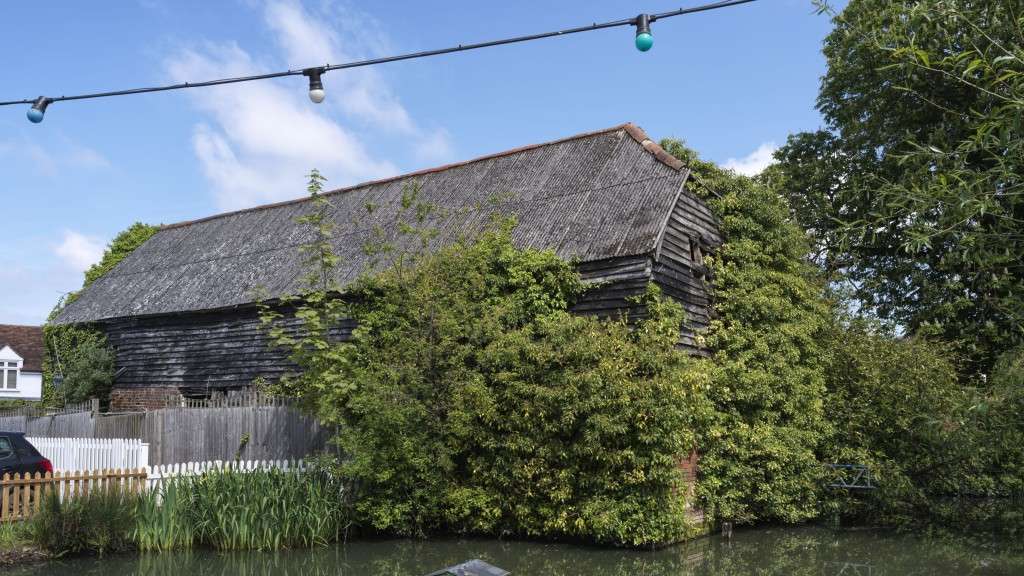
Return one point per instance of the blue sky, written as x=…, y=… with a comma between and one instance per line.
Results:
x=733, y=83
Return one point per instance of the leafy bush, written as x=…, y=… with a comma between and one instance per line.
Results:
x=471, y=401
x=99, y=522
x=896, y=407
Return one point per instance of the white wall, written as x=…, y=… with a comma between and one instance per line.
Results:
x=30, y=387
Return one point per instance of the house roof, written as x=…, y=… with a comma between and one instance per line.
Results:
x=27, y=342
x=590, y=197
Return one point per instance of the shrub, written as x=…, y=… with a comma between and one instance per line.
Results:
x=471, y=400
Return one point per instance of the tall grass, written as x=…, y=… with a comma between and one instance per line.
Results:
x=266, y=510
x=13, y=534
x=164, y=520
x=99, y=522
x=229, y=510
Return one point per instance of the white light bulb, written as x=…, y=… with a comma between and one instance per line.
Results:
x=317, y=95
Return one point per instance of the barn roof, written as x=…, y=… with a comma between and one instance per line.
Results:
x=27, y=342
x=590, y=197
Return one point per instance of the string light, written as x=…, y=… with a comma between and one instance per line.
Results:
x=38, y=109
x=643, y=42
x=316, y=86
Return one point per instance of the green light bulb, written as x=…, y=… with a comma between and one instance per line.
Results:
x=644, y=41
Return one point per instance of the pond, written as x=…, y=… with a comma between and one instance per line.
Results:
x=804, y=550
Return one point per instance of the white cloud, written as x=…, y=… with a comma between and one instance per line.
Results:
x=262, y=138
x=752, y=164
x=79, y=251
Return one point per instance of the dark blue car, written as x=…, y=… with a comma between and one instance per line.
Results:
x=18, y=456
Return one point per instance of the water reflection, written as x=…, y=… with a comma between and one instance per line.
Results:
x=798, y=551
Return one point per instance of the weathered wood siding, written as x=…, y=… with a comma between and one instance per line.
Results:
x=690, y=233
x=211, y=351
x=198, y=352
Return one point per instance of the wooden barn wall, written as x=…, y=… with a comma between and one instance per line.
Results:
x=617, y=280
x=198, y=352
x=212, y=351
x=691, y=229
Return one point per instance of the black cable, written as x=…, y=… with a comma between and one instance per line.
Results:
x=386, y=59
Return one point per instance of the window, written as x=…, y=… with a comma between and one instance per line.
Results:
x=6, y=450
x=697, y=258
x=10, y=379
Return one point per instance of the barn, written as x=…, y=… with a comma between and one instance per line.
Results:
x=181, y=312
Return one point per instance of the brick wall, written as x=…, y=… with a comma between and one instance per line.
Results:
x=141, y=399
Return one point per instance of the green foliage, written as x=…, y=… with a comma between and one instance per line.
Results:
x=99, y=522
x=897, y=408
x=78, y=352
x=759, y=457
x=261, y=510
x=471, y=401
x=225, y=509
x=13, y=535
x=88, y=366
x=165, y=518
x=914, y=191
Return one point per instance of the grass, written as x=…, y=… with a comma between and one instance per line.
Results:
x=226, y=510
x=13, y=535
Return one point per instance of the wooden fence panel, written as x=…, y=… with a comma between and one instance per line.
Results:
x=21, y=495
x=247, y=426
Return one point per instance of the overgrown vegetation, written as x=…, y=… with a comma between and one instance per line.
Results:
x=101, y=521
x=470, y=400
x=225, y=510
x=80, y=353
x=759, y=457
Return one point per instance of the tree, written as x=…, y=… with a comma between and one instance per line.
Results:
x=913, y=190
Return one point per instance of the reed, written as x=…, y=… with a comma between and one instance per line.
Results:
x=264, y=510
x=99, y=522
x=163, y=519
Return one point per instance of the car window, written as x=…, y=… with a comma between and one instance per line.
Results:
x=6, y=449
x=24, y=450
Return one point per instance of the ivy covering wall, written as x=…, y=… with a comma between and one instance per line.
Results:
x=80, y=353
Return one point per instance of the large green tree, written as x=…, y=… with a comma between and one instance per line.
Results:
x=913, y=190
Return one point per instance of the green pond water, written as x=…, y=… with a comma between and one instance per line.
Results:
x=804, y=550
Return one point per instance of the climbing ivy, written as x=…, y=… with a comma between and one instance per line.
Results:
x=759, y=455
x=80, y=352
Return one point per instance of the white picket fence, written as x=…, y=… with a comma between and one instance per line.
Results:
x=83, y=454
x=156, y=475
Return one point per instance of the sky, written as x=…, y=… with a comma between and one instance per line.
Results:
x=732, y=83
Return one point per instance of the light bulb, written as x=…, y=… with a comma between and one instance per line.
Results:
x=316, y=86
x=644, y=39
x=38, y=110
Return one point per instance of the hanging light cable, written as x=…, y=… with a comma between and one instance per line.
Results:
x=643, y=41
